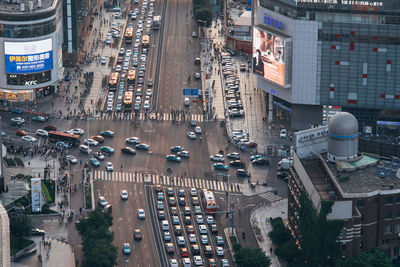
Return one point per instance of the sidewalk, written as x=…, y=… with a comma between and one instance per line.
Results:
x=259, y=219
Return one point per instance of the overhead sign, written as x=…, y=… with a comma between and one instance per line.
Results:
x=190, y=92
x=36, y=193
x=28, y=57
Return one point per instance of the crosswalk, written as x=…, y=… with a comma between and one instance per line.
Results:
x=166, y=180
x=270, y=196
x=150, y=116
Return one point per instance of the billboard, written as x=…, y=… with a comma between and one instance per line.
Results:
x=36, y=194
x=28, y=57
x=268, y=56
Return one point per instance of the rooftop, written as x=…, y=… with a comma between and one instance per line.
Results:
x=6, y=6
x=16, y=190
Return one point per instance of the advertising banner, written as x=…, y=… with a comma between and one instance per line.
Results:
x=36, y=193
x=268, y=56
x=28, y=57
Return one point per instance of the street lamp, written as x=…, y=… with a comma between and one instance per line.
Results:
x=206, y=67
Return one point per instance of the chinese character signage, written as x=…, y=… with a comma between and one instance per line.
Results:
x=36, y=193
x=28, y=57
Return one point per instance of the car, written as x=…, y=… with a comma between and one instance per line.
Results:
x=170, y=248
x=183, y=154
x=233, y=155
x=197, y=130
x=167, y=236
x=199, y=219
x=202, y=229
x=39, y=119
x=160, y=196
x=99, y=156
x=237, y=163
x=191, y=135
x=283, y=133
x=187, y=220
x=173, y=158
x=128, y=150
x=208, y=251
x=194, y=34
x=257, y=157
x=18, y=120
x=197, y=210
x=161, y=215
x=50, y=128
x=217, y=157
x=195, y=249
x=176, y=148
x=210, y=219
x=190, y=229
x=173, y=263
x=107, y=133
x=172, y=201
x=124, y=195
x=180, y=240
x=197, y=76
x=134, y=16
x=107, y=149
x=132, y=140
x=212, y=263
x=102, y=201
x=220, y=251
x=186, y=262
x=174, y=211
x=195, y=201
x=137, y=234
x=126, y=248
x=103, y=61
x=243, y=172
x=141, y=214
x=192, y=123
x=121, y=51
x=219, y=240
x=98, y=138
x=220, y=166
x=72, y=159
x=149, y=83
x=181, y=201
x=204, y=239
x=282, y=175
x=94, y=162
x=262, y=161
x=214, y=228
x=192, y=238
x=193, y=192
x=198, y=261
x=160, y=205
x=178, y=230
x=142, y=146
x=78, y=131
x=187, y=211
x=37, y=231
x=181, y=193
x=149, y=92
x=85, y=149
x=236, y=113
x=224, y=263
x=17, y=111
x=175, y=220
x=90, y=142
x=158, y=188
x=42, y=132
x=146, y=104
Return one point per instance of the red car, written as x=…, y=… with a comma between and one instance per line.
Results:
x=184, y=252
x=21, y=132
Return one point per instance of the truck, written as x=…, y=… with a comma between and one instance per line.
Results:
x=284, y=164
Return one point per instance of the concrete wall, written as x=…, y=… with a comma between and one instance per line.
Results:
x=5, y=238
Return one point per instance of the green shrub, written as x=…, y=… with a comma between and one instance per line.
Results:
x=19, y=162
x=10, y=162
x=20, y=176
x=18, y=243
x=46, y=193
x=51, y=187
x=88, y=197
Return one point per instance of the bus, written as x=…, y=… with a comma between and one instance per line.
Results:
x=210, y=204
x=112, y=82
x=145, y=41
x=156, y=22
x=128, y=98
x=128, y=35
x=71, y=139
x=131, y=76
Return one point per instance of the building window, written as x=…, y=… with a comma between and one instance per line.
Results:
x=395, y=251
x=397, y=199
x=375, y=201
x=360, y=203
x=385, y=241
x=389, y=200
x=397, y=228
x=388, y=229
x=388, y=214
x=29, y=79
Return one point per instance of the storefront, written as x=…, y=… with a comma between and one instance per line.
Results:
x=17, y=96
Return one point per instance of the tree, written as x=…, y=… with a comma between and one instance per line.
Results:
x=247, y=257
x=374, y=258
x=203, y=14
x=279, y=234
x=21, y=225
x=288, y=251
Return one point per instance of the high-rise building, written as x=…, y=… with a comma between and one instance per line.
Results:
x=31, y=38
x=345, y=53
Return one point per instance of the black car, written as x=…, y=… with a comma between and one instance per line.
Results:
x=261, y=161
x=237, y=163
x=243, y=172
x=161, y=215
x=128, y=150
x=282, y=175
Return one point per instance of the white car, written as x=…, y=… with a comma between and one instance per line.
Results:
x=198, y=260
x=283, y=133
x=78, y=131
x=220, y=251
x=29, y=139
x=109, y=166
x=149, y=92
x=72, y=159
x=42, y=132
x=132, y=140
x=173, y=263
x=186, y=262
x=217, y=157
x=103, y=61
x=146, y=104
x=197, y=130
x=91, y=142
x=18, y=120
x=202, y=229
x=118, y=68
x=121, y=51
x=102, y=201
x=128, y=52
x=141, y=214
x=191, y=135
x=85, y=149
x=224, y=263
x=181, y=241
x=124, y=195
x=192, y=238
x=199, y=219
x=193, y=192
x=210, y=219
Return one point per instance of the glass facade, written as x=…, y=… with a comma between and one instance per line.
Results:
x=29, y=79
x=27, y=30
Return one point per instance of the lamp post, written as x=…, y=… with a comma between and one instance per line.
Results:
x=206, y=66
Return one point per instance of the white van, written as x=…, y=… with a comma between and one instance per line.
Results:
x=85, y=149
x=186, y=101
x=165, y=225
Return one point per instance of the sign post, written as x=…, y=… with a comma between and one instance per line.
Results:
x=36, y=194
x=190, y=92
